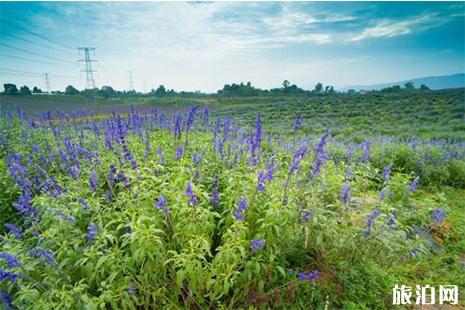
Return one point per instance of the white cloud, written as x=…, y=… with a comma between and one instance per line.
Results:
x=389, y=28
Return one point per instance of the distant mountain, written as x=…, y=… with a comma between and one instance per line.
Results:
x=433, y=82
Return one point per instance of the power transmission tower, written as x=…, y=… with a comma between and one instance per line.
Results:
x=47, y=82
x=131, y=82
x=90, y=82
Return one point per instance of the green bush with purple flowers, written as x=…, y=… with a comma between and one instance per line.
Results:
x=151, y=211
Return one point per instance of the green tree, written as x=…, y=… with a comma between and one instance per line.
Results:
x=318, y=88
x=285, y=84
x=36, y=90
x=409, y=85
x=160, y=91
x=71, y=90
x=10, y=89
x=107, y=92
x=24, y=90
x=424, y=87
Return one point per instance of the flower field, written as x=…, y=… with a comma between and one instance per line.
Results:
x=187, y=210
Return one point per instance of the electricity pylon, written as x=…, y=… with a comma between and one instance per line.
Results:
x=90, y=82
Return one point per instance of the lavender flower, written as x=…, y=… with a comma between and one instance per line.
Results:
x=161, y=205
x=370, y=221
x=122, y=177
x=189, y=193
x=414, y=185
x=61, y=214
x=387, y=172
x=214, y=198
x=23, y=205
x=308, y=276
x=298, y=122
x=6, y=298
x=92, y=231
x=266, y=176
x=47, y=257
x=298, y=156
x=366, y=151
x=93, y=179
x=14, y=231
x=345, y=193
x=320, y=156
x=83, y=203
x=178, y=154
x=306, y=215
x=132, y=288
x=190, y=118
x=438, y=216
x=349, y=174
x=392, y=220
x=242, y=206
x=382, y=193
x=257, y=244
x=10, y=259
x=6, y=275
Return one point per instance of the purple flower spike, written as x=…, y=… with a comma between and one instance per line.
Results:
x=241, y=208
x=414, y=185
x=189, y=193
x=308, y=276
x=92, y=232
x=438, y=216
x=161, y=205
x=345, y=193
x=257, y=245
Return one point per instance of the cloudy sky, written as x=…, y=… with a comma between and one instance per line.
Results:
x=203, y=45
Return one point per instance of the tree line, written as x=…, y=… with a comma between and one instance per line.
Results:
x=233, y=90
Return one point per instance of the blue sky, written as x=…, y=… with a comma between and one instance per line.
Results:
x=203, y=45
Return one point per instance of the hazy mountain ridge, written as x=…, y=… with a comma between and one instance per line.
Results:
x=433, y=82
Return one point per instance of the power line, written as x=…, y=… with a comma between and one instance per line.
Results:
x=33, y=53
x=38, y=73
x=36, y=43
x=35, y=34
x=33, y=60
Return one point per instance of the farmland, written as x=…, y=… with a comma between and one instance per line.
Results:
x=219, y=202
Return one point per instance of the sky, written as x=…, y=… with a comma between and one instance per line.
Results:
x=204, y=45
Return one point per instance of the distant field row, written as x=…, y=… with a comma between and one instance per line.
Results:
x=430, y=115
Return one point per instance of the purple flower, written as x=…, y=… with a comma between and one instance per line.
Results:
x=266, y=176
x=190, y=118
x=214, y=198
x=161, y=205
x=298, y=122
x=93, y=179
x=189, y=193
x=61, y=214
x=306, y=215
x=320, y=156
x=6, y=275
x=10, y=259
x=298, y=156
x=132, y=288
x=438, y=216
x=47, y=257
x=242, y=206
x=382, y=194
x=345, y=193
x=387, y=172
x=122, y=177
x=6, y=298
x=349, y=174
x=392, y=220
x=257, y=245
x=178, y=154
x=366, y=151
x=15, y=231
x=308, y=276
x=23, y=205
x=414, y=185
x=83, y=203
x=92, y=231
x=370, y=221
